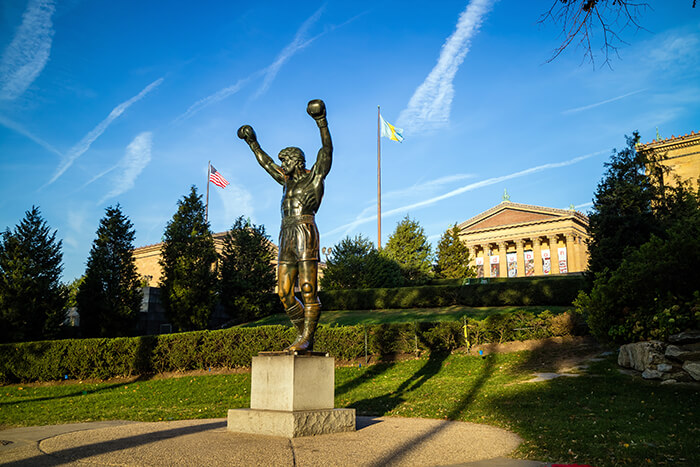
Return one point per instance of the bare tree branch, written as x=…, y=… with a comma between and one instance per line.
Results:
x=590, y=24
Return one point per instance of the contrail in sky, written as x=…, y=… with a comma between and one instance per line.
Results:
x=587, y=107
x=84, y=144
x=270, y=72
x=27, y=54
x=6, y=122
x=136, y=158
x=298, y=43
x=431, y=103
x=464, y=189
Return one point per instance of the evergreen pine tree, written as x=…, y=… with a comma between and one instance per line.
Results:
x=32, y=300
x=622, y=215
x=247, y=273
x=409, y=247
x=453, y=256
x=109, y=295
x=189, y=280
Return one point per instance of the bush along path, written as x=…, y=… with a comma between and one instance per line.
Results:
x=231, y=348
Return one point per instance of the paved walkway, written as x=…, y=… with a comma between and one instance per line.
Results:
x=378, y=441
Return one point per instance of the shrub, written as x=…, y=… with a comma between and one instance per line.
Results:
x=234, y=347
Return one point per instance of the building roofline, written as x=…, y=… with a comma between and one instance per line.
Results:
x=673, y=140
x=562, y=213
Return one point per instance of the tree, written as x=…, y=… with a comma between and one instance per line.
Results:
x=188, y=260
x=643, y=252
x=622, y=215
x=32, y=300
x=453, y=257
x=356, y=264
x=109, y=296
x=247, y=273
x=655, y=291
x=409, y=247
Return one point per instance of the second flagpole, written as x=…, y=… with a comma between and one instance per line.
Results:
x=379, y=182
x=206, y=212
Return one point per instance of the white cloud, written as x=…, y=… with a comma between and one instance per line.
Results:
x=27, y=54
x=84, y=144
x=597, y=104
x=136, y=158
x=674, y=51
x=431, y=103
x=463, y=189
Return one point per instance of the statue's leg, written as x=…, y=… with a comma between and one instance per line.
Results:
x=308, y=283
x=286, y=279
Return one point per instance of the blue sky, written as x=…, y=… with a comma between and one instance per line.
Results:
x=125, y=102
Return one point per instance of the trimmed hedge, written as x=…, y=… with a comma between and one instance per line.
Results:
x=235, y=347
x=511, y=292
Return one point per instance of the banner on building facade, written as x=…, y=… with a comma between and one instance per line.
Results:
x=512, y=260
x=563, y=267
x=529, y=263
x=479, y=267
x=495, y=269
x=546, y=262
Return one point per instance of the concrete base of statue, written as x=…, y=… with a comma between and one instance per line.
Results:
x=291, y=396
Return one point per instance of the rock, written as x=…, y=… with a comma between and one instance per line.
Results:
x=686, y=337
x=641, y=354
x=664, y=367
x=669, y=381
x=651, y=374
x=673, y=351
x=682, y=353
x=691, y=347
x=693, y=369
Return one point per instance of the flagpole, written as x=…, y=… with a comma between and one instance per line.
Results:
x=206, y=213
x=379, y=181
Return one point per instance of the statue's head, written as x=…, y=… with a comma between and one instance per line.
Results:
x=292, y=159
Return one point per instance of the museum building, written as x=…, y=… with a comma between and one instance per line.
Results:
x=521, y=240
x=679, y=154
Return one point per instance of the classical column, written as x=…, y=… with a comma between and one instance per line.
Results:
x=519, y=244
x=502, y=264
x=571, y=252
x=554, y=253
x=537, y=253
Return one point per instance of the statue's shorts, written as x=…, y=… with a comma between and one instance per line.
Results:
x=298, y=239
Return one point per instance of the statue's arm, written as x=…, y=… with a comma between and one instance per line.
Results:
x=247, y=134
x=317, y=110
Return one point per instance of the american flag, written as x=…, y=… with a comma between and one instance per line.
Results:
x=216, y=178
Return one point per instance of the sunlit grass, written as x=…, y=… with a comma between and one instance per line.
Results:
x=599, y=418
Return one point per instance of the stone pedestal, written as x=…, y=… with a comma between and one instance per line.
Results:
x=291, y=396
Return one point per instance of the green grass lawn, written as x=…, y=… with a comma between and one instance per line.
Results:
x=599, y=418
x=409, y=315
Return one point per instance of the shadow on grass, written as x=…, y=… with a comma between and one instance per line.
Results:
x=396, y=456
x=387, y=402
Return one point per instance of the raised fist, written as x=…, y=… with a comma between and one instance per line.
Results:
x=246, y=133
x=317, y=109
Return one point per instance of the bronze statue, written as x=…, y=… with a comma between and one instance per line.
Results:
x=298, y=242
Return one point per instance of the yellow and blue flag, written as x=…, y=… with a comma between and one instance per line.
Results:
x=390, y=131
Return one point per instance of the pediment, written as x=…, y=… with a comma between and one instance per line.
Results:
x=509, y=217
x=508, y=213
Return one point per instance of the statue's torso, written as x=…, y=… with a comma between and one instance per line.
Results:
x=302, y=195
